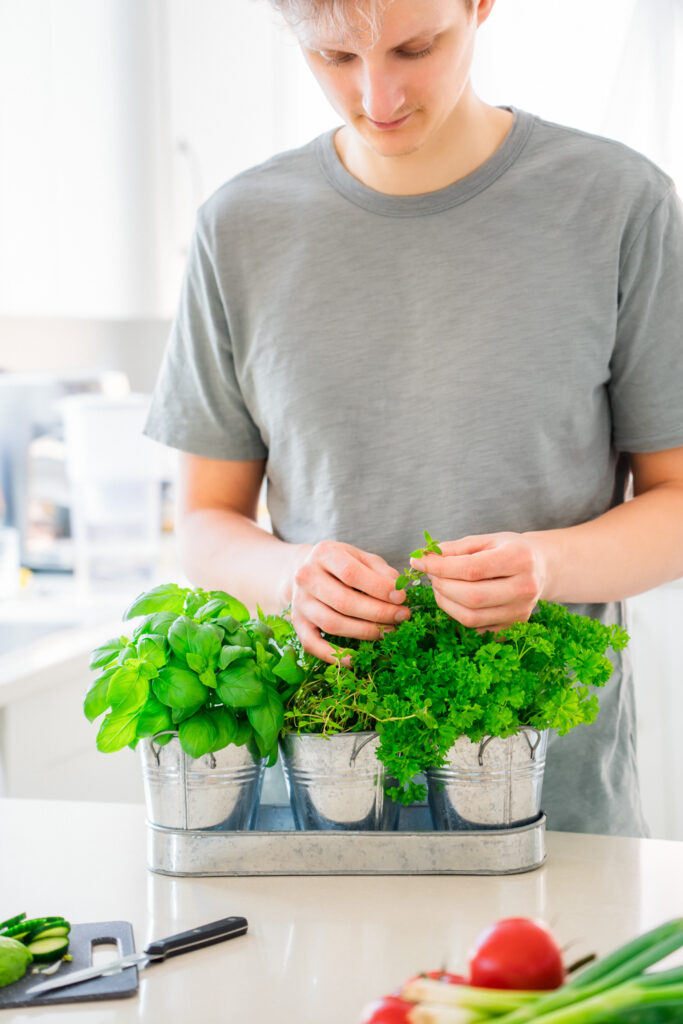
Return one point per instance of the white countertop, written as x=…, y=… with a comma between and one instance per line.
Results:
x=317, y=948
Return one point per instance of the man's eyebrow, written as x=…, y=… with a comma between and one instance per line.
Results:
x=427, y=34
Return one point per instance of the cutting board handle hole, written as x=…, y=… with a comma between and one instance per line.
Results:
x=104, y=952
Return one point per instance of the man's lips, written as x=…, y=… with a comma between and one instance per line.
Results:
x=385, y=125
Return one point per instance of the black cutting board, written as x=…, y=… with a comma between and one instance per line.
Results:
x=81, y=940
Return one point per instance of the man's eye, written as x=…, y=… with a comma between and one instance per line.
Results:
x=412, y=54
x=336, y=58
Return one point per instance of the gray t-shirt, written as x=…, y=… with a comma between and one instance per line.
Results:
x=469, y=360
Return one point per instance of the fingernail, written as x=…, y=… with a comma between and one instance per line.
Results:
x=397, y=596
x=402, y=615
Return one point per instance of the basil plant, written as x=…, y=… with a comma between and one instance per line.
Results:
x=198, y=665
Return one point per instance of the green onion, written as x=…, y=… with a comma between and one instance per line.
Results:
x=627, y=962
x=610, y=1005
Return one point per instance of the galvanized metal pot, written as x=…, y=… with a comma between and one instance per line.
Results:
x=492, y=784
x=337, y=782
x=216, y=791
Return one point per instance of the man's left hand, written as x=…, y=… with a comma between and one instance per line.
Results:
x=487, y=581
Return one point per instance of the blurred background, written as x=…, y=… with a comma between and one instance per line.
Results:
x=117, y=119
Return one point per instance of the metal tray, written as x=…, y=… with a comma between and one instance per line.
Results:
x=275, y=848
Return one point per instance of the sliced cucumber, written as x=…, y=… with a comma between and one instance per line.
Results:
x=48, y=949
x=17, y=931
x=11, y=921
x=51, y=931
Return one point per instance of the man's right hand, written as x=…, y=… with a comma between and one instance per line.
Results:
x=345, y=592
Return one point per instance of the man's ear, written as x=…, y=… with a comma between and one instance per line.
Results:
x=482, y=10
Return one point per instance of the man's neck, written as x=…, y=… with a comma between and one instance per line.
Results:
x=471, y=136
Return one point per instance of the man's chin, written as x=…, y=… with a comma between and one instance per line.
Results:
x=389, y=143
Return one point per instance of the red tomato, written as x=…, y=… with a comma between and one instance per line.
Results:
x=388, y=1010
x=517, y=953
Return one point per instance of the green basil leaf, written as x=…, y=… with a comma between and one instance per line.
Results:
x=212, y=610
x=245, y=732
x=197, y=734
x=154, y=717
x=283, y=631
x=197, y=662
x=156, y=624
x=231, y=605
x=152, y=648
x=267, y=720
x=168, y=597
x=228, y=623
x=417, y=554
x=181, y=635
x=254, y=746
x=194, y=599
x=180, y=714
x=400, y=583
x=126, y=653
x=259, y=629
x=240, y=685
x=117, y=731
x=207, y=643
x=208, y=678
x=179, y=688
x=96, y=699
x=147, y=670
x=226, y=727
x=128, y=690
x=231, y=652
x=288, y=669
x=107, y=652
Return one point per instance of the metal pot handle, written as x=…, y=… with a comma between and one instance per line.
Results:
x=157, y=750
x=533, y=747
x=357, y=749
x=172, y=732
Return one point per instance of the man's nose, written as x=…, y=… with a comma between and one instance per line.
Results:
x=383, y=94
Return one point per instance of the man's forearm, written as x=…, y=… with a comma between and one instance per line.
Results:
x=224, y=550
x=629, y=549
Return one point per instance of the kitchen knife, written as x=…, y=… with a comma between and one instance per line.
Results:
x=206, y=935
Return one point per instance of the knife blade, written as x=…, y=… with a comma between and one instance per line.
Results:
x=160, y=949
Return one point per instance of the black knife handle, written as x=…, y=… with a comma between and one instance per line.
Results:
x=206, y=935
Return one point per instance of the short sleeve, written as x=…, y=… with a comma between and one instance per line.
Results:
x=197, y=405
x=646, y=385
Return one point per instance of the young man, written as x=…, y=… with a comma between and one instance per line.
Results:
x=442, y=315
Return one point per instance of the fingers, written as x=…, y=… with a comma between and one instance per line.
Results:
x=486, y=595
x=343, y=591
x=313, y=642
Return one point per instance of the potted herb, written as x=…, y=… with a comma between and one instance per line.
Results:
x=442, y=697
x=200, y=686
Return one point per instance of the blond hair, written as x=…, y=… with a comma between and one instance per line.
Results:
x=343, y=18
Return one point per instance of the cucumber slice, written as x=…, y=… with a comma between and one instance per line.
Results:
x=51, y=931
x=17, y=931
x=48, y=949
x=38, y=924
x=11, y=921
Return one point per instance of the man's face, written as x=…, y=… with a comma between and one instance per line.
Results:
x=397, y=92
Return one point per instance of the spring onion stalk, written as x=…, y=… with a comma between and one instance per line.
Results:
x=610, y=1005
x=623, y=964
x=486, y=1001
x=432, y=1013
x=627, y=953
